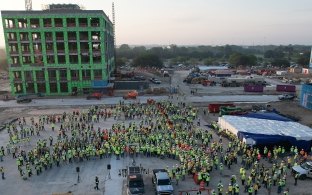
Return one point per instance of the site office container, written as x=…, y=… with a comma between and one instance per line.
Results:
x=253, y=88
x=286, y=88
x=215, y=108
x=306, y=96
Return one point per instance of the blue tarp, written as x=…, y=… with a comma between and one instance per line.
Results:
x=267, y=140
x=267, y=115
x=99, y=83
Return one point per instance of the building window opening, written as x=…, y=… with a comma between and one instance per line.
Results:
x=83, y=22
x=83, y=36
x=9, y=23
x=24, y=36
x=18, y=88
x=95, y=36
x=13, y=48
x=28, y=76
x=50, y=59
x=95, y=22
x=30, y=87
x=71, y=22
x=26, y=60
x=85, y=59
x=40, y=76
x=73, y=59
x=58, y=22
x=15, y=61
x=86, y=75
x=36, y=37
x=47, y=22
x=17, y=75
x=11, y=36
x=49, y=48
x=22, y=23
x=25, y=48
x=63, y=75
x=53, y=87
x=72, y=47
x=84, y=48
x=59, y=36
x=74, y=75
x=72, y=36
x=34, y=23
x=48, y=36
x=52, y=74
x=41, y=87
x=64, y=87
x=60, y=48
x=61, y=59
x=97, y=74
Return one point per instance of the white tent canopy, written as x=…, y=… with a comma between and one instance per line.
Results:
x=237, y=124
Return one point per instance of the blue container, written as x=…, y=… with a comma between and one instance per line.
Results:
x=306, y=96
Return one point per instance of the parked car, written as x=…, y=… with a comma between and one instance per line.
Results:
x=139, y=78
x=23, y=99
x=135, y=182
x=155, y=81
x=286, y=97
x=304, y=170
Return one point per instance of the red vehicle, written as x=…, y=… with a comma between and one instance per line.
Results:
x=215, y=108
x=95, y=95
x=131, y=95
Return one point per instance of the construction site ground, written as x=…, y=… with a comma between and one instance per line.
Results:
x=64, y=178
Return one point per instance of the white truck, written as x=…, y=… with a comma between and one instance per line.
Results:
x=162, y=182
x=304, y=170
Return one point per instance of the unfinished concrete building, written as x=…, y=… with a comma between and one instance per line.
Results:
x=58, y=51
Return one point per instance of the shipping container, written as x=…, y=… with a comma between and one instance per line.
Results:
x=306, y=96
x=286, y=88
x=253, y=88
x=215, y=108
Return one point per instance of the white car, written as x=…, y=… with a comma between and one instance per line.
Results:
x=304, y=170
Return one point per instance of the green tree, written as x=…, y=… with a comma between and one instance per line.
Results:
x=238, y=59
x=280, y=62
x=208, y=61
x=304, y=59
x=148, y=59
x=120, y=61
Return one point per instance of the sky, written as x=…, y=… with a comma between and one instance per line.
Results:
x=199, y=22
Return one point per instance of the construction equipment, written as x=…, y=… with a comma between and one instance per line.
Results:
x=131, y=95
x=95, y=95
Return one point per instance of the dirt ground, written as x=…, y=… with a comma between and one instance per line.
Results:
x=293, y=108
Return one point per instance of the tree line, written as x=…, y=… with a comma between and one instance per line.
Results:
x=281, y=56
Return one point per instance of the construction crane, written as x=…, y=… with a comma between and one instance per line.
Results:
x=113, y=13
x=28, y=5
x=114, y=36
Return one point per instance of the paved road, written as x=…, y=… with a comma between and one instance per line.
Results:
x=142, y=99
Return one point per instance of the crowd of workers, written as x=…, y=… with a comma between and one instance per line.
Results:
x=162, y=129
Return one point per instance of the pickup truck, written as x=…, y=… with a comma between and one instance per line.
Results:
x=286, y=97
x=162, y=182
x=304, y=170
x=135, y=184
